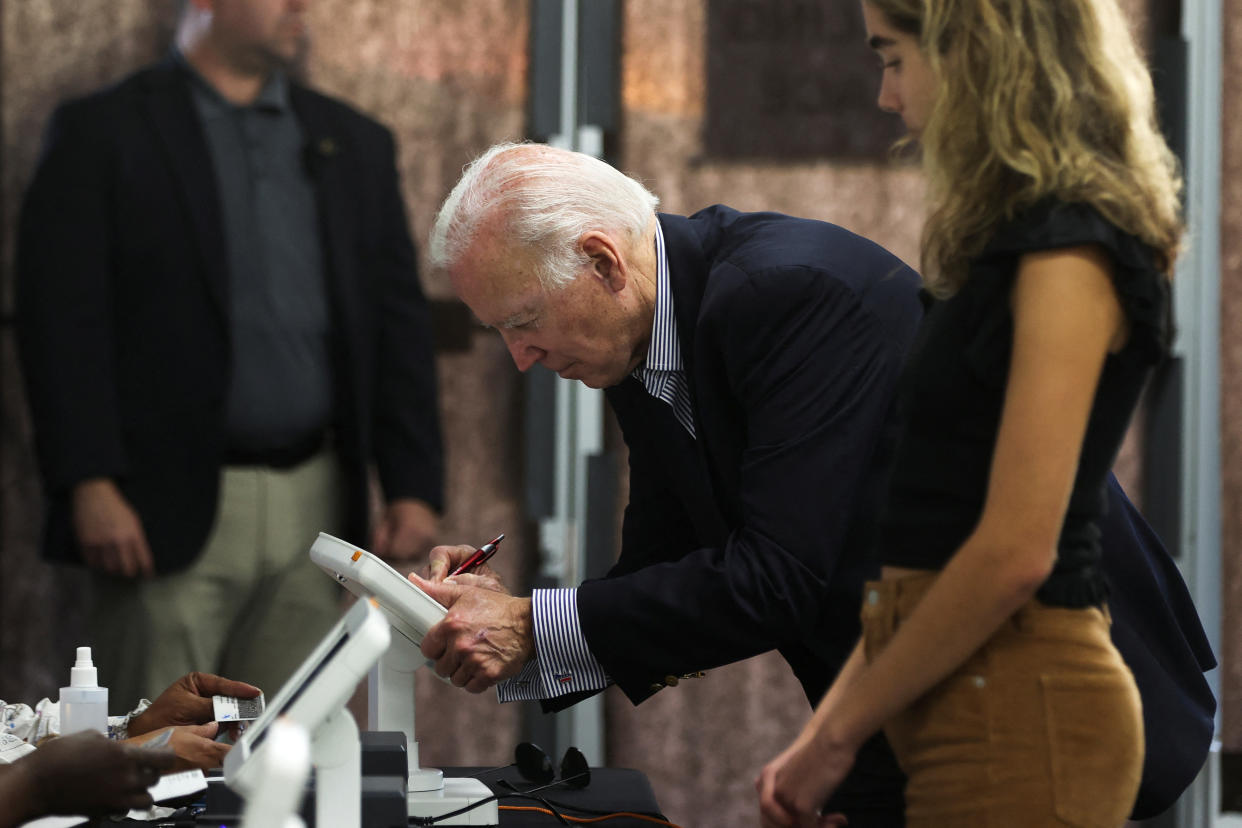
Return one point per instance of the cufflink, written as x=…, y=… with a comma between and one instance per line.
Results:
x=672, y=681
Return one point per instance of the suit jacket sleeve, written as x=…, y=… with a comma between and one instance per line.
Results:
x=655, y=522
x=811, y=368
x=408, y=445
x=64, y=303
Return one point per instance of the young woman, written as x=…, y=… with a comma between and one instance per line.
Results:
x=1054, y=223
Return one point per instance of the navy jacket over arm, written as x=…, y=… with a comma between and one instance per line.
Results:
x=756, y=535
x=122, y=309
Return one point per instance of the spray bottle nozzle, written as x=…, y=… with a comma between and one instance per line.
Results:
x=84, y=673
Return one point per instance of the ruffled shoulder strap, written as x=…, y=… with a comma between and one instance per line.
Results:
x=1142, y=289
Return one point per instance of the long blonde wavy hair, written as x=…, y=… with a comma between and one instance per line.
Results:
x=1035, y=98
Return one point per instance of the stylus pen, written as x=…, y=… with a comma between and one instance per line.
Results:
x=481, y=556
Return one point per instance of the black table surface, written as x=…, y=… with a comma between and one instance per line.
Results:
x=620, y=791
x=609, y=791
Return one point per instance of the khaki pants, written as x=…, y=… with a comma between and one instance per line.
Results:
x=1041, y=727
x=251, y=607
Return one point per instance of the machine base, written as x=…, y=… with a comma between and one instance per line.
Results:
x=458, y=793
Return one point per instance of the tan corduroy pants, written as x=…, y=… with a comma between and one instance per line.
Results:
x=1041, y=727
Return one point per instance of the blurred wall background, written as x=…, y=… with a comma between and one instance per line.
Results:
x=450, y=78
x=1231, y=390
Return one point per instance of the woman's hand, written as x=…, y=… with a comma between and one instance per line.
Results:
x=794, y=786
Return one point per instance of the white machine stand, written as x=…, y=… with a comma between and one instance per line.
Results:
x=390, y=706
x=411, y=612
x=315, y=698
x=336, y=753
x=284, y=766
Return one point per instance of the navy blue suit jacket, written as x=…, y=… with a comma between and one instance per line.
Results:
x=122, y=289
x=756, y=535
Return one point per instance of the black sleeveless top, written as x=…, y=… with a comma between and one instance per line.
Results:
x=952, y=391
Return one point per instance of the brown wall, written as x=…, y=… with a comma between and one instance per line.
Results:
x=1231, y=378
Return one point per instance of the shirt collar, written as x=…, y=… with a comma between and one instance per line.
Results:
x=664, y=352
x=273, y=97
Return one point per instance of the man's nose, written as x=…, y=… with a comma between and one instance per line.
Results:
x=524, y=354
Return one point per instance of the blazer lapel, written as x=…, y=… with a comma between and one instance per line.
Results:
x=649, y=425
x=171, y=109
x=688, y=266
x=687, y=272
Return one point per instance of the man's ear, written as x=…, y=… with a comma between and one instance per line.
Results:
x=607, y=264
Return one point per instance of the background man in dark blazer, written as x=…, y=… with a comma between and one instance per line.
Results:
x=750, y=360
x=221, y=326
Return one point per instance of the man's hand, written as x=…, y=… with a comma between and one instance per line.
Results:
x=187, y=701
x=794, y=785
x=406, y=530
x=486, y=637
x=194, y=746
x=110, y=531
x=444, y=559
x=81, y=774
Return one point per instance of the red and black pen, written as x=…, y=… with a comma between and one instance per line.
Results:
x=480, y=556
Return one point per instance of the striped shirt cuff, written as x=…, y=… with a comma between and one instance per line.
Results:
x=563, y=662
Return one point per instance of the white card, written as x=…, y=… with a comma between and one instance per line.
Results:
x=233, y=709
x=177, y=785
x=171, y=786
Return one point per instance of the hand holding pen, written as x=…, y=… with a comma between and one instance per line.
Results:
x=481, y=556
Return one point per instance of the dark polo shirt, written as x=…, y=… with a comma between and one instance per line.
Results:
x=281, y=378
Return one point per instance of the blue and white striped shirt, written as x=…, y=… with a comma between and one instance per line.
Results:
x=563, y=662
x=663, y=374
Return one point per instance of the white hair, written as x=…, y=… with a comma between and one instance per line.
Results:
x=547, y=198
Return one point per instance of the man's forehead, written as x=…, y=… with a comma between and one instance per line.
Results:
x=498, y=292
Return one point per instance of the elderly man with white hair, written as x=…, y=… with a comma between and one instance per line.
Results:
x=750, y=360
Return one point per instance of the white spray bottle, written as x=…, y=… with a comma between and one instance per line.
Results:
x=83, y=704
